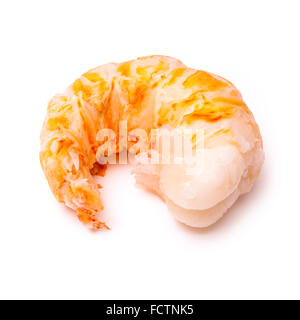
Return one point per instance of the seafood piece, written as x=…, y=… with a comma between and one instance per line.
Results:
x=161, y=93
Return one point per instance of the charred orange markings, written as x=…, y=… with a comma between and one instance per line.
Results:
x=163, y=112
x=93, y=77
x=58, y=104
x=58, y=122
x=146, y=72
x=174, y=108
x=92, y=93
x=209, y=113
x=203, y=80
x=64, y=146
x=78, y=86
x=175, y=74
x=142, y=84
x=221, y=131
x=125, y=69
x=143, y=71
x=192, y=99
x=138, y=95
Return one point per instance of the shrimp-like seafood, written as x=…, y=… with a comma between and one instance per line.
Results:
x=152, y=93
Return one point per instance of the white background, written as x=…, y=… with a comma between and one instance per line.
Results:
x=46, y=253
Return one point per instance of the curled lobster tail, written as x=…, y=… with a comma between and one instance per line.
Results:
x=160, y=93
